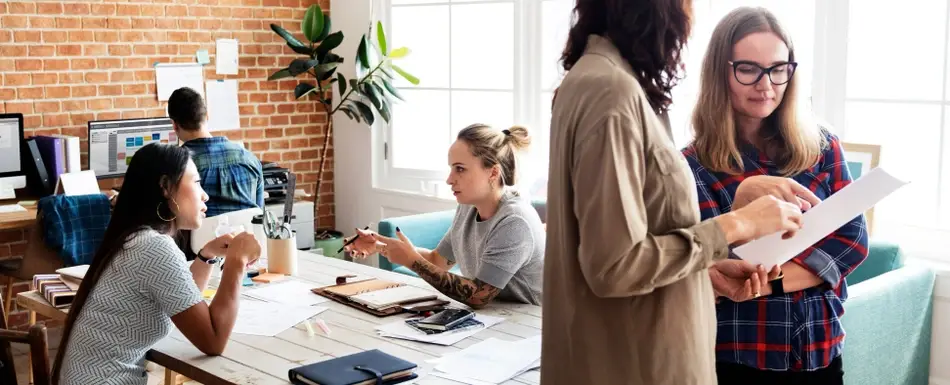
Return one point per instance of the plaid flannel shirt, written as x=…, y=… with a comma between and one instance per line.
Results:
x=73, y=226
x=230, y=174
x=797, y=331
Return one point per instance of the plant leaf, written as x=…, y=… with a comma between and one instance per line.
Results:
x=384, y=112
x=366, y=112
x=363, y=54
x=370, y=93
x=326, y=29
x=342, y=81
x=313, y=23
x=353, y=111
x=326, y=74
x=386, y=72
x=355, y=85
x=303, y=89
x=299, y=66
x=381, y=38
x=332, y=41
x=399, y=53
x=392, y=90
x=411, y=79
x=284, y=73
x=291, y=40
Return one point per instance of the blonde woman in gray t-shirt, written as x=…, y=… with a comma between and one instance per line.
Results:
x=496, y=238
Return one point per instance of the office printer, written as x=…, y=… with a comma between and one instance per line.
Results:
x=275, y=183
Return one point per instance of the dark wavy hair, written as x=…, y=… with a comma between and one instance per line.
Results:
x=154, y=169
x=650, y=34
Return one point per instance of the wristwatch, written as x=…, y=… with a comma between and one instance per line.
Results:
x=777, y=287
x=209, y=261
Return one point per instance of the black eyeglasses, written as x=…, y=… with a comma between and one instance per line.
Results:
x=749, y=73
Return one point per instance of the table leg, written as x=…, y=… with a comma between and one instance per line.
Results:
x=29, y=357
x=169, y=377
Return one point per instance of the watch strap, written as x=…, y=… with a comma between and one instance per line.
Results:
x=209, y=261
x=777, y=286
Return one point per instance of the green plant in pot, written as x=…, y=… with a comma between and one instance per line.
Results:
x=370, y=94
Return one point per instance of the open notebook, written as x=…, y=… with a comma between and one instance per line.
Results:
x=376, y=296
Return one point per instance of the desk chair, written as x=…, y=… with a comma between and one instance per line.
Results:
x=39, y=353
x=38, y=259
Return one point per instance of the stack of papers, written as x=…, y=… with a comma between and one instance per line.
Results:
x=270, y=319
x=294, y=293
x=401, y=330
x=492, y=361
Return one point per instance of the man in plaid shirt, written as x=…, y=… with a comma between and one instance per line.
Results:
x=230, y=175
x=798, y=330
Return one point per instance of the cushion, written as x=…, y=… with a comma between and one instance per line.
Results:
x=882, y=258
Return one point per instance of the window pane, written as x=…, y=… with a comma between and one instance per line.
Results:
x=534, y=165
x=896, y=59
x=425, y=30
x=898, y=128
x=555, y=24
x=944, y=215
x=404, y=2
x=420, y=130
x=487, y=107
x=482, y=45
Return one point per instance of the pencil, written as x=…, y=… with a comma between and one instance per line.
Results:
x=350, y=242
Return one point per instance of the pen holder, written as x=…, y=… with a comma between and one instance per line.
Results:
x=282, y=255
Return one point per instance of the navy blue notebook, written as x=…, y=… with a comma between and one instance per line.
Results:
x=365, y=368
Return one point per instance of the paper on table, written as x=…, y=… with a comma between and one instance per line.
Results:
x=172, y=76
x=226, y=57
x=492, y=360
x=269, y=319
x=401, y=330
x=11, y=209
x=291, y=292
x=223, y=112
x=823, y=219
x=79, y=183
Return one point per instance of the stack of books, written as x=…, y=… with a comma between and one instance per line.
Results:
x=60, y=289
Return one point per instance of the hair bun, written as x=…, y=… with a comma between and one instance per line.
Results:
x=506, y=131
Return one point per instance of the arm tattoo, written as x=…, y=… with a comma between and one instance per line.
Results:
x=472, y=292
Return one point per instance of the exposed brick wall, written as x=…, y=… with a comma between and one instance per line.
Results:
x=63, y=63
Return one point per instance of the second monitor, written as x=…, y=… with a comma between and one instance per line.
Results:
x=112, y=143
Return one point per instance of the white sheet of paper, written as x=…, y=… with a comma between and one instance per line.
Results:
x=292, y=292
x=269, y=319
x=400, y=330
x=11, y=209
x=823, y=219
x=226, y=57
x=492, y=360
x=79, y=183
x=222, y=100
x=172, y=76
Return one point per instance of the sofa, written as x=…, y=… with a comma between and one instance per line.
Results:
x=887, y=315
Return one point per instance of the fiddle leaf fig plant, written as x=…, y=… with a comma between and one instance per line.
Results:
x=370, y=94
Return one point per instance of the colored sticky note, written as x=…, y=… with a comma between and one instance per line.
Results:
x=268, y=277
x=247, y=281
x=203, y=57
x=208, y=293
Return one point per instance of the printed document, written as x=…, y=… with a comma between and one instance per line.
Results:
x=822, y=220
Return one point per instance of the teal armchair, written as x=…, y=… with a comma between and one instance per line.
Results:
x=887, y=321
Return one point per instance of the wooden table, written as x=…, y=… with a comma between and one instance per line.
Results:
x=259, y=360
x=20, y=220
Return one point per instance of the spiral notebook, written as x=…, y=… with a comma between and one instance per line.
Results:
x=376, y=296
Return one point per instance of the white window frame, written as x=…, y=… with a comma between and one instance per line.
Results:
x=526, y=87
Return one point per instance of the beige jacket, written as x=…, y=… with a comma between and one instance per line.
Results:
x=627, y=297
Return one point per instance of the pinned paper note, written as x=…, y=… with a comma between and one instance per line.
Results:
x=202, y=56
x=222, y=101
x=172, y=76
x=226, y=57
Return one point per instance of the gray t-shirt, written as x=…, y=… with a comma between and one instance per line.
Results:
x=505, y=251
x=129, y=311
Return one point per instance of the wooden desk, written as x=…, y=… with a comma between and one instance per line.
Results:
x=260, y=360
x=20, y=220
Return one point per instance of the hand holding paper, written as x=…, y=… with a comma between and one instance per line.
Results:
x=823, y=219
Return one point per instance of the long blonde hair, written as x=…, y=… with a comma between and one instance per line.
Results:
x=793, y=138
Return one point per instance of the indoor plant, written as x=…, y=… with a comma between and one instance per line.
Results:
x=371, y=93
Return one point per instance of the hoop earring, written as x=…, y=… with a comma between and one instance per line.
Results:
x=158, y=211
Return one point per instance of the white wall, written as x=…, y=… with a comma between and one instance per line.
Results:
x=358, y=203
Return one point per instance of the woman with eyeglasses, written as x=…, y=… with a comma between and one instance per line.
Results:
x=749, y=129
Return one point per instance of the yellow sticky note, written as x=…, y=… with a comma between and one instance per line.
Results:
x=208, y=293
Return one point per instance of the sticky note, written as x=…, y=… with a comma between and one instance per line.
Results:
x=247, y=281
x=203, y=57
x=208, y=293
x=268, y=278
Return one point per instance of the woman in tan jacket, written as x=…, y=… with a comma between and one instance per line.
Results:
x=627, y=291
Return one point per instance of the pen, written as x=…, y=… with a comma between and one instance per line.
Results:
x=350, y=242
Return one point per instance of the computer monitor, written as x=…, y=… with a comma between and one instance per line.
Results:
x=112, y=143
x=12, y=168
